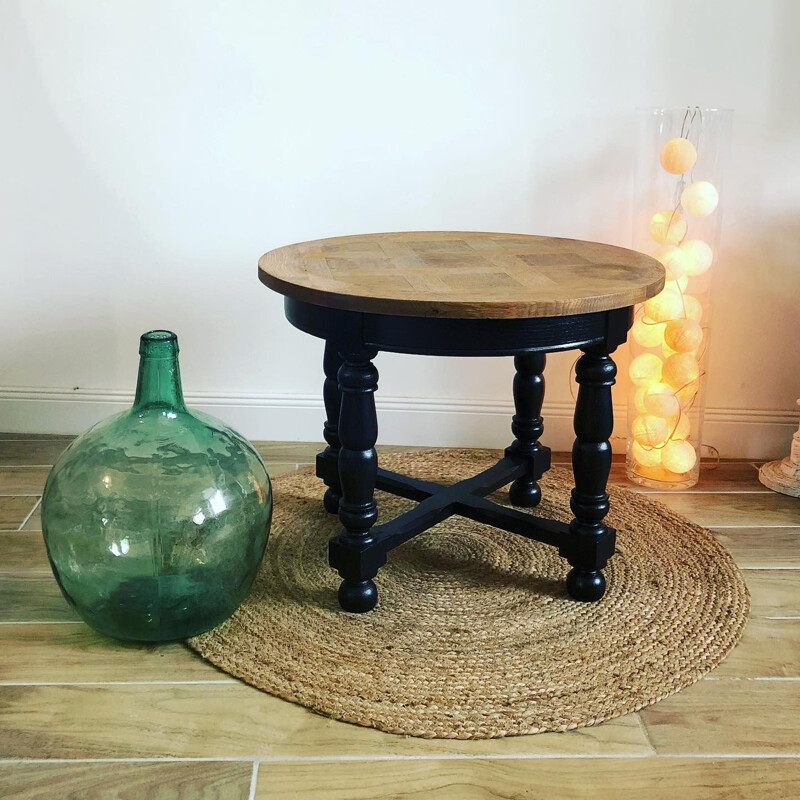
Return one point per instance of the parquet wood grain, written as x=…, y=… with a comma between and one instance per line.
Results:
x=54, y=653
x=774, y=592
x=462, y=274
x=23, y=553
x=22, y=480
x=14, y=510
x=145, y=781
x=742, y=717
x=535, y=779
x=762, y=547
x=734, y=510
x=234, y=720
x=32, y=598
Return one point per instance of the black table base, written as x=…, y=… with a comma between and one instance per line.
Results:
x=349, y=465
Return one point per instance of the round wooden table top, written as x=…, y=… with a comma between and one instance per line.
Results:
x=461, y=275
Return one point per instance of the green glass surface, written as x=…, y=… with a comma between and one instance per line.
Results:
x=156, y=519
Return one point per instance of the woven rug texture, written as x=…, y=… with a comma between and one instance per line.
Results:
x=474, y=635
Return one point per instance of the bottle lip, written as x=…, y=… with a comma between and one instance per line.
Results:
x=159, y=336
x=158, y=343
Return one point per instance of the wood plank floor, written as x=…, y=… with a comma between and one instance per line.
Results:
x=84, y=716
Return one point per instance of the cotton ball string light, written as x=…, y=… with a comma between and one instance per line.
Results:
x=667, y=351
x=678, y=286
x=644, y=456
x=680, y=370
x=660, y=400
x=648, y=333
x=650, y=430
x=673, y=259
x=666, y=305
x=667, y=227
x=692, y=308
x=687, y=394
x=678, y=156
x=682, y=428
x=699, y=199
x=698, y=256
x=683, y=335
x=645, y=369
x=678, y=456
x=639, y=398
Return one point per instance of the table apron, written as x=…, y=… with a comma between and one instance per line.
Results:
x=446, y=336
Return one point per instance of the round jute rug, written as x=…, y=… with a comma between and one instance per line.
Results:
x=474, y=635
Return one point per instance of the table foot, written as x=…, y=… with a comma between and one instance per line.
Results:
x=525, y=494
x=331, y=500
x=358, y=598
x=586, y=586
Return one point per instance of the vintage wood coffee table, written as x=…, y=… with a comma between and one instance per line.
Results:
x=463, y=294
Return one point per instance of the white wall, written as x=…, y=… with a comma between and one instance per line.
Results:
x=152, y=150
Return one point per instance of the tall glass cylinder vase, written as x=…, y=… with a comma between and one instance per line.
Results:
x=678, y=209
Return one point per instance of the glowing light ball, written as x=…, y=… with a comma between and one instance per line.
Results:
x=678, y=156
x=699, y=199
x=667, y=351
x=660, y=401
x=666, y=305
x=638, y=399
x=645, y=369
x=692, y=308
x=678, y=456
x=683, y=335
x=667, y=227
x=698, y=256
x=648, y=333
x=650, y=430
x=678, y=286
x=680, y=370
x=682, y=429
x=645, y=457
x=686, y=394
x=673, y=259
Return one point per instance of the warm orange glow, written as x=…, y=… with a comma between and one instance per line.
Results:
x=686, y=394
x=650, y=430
x=666, y=305
x=678, y=456
x=698, y=256
x=683, y=428
x=681, y=369
x=674, y=260
x=692, y=308
x=645, y=369
x=660, y=400
x=667, y=227
x=644, y=456
x=678, y=156
x=648, y=333
x=699, y=199
x=683, y=335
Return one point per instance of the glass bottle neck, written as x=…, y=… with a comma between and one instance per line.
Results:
x=159, y=382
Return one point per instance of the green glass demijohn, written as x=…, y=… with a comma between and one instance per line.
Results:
x=156, y=519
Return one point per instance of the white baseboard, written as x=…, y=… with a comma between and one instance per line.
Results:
x=736, y=433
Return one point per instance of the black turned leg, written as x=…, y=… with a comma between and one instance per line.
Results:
x=590, y=543
x=333, y=401
x=527, y=426
x=358, y=463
